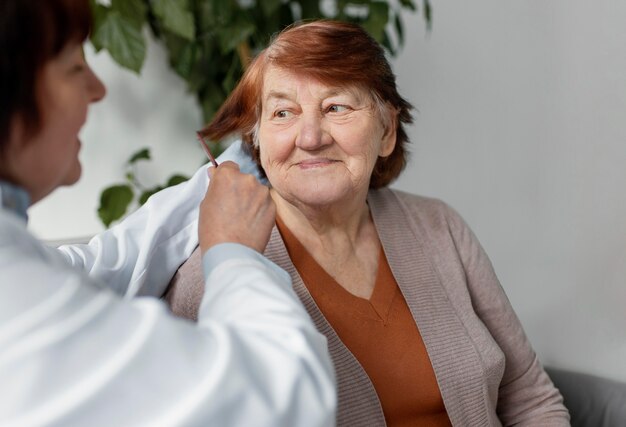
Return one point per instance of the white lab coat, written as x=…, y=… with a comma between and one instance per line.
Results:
x=140, y=255
x=72, y=353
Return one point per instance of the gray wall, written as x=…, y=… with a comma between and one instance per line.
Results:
x=520, y=126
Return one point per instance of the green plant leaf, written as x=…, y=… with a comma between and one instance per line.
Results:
x=428, y=13
x=230, y=36
x=270, y=6
x=386, y=42
x=122, y=39
x=399, y=29
x=143, y=154
x=143, y=198
x=133, y=10
x=408, y=4
x=233, y=74
x=175, y=17
x=100, y=14
x=377, y=20
x=114, y=202
x=215, y=13
x=176, y=179
x=310, y=9
x=210, y=100
x=184, y=61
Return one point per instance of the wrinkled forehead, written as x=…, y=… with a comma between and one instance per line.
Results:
x=279, y=82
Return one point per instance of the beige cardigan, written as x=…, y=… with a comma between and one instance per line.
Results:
x=487, y=371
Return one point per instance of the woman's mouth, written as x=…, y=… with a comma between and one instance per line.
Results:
x=315, y=163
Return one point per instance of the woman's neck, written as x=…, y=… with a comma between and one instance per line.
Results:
x=342, y=239
x=332, y=229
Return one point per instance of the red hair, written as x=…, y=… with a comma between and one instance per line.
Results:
x=334, y=53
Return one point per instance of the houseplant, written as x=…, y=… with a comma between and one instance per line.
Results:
x=210, y=42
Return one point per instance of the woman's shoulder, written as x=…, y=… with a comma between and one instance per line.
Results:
x=430, y=217
x=424, y=207
x=12, y=229
x=19, y=247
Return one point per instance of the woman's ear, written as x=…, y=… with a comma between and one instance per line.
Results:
x=388, y=142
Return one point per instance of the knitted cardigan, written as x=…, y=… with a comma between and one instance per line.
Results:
x=486, y=369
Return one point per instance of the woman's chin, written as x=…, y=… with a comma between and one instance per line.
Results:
x=320, y=198
x=73, y=175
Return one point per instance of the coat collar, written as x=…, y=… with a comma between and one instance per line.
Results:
x=14, y=199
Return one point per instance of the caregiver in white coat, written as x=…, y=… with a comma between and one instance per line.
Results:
x=73, y=351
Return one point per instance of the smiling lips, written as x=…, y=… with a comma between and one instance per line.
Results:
x=315, y=163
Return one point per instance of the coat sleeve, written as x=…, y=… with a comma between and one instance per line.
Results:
x=140, y=255
x=72, y=354
x=527, y=396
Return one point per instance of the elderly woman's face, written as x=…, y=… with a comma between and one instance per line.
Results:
x=318, y=144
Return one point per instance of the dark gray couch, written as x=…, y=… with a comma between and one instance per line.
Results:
x=592, y=401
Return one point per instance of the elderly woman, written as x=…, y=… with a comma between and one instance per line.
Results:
x=419, y=328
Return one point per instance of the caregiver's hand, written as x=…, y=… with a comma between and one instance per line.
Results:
x=235, y=209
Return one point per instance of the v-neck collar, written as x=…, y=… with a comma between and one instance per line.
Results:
x=322, y=285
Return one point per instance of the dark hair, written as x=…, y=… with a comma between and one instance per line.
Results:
x=32, y=32
x=335, y=53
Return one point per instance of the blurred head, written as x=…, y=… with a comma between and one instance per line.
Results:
x=46, y=88
x=339, y=57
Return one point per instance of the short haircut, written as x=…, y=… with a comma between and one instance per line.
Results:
x=32, y=32
x=337, y=54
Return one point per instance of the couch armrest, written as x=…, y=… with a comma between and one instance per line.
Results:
x=592, y=401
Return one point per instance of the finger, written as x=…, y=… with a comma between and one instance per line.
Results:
x=228, y=164
x=210, y=171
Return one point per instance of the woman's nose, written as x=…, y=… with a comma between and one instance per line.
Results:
x=96, y=88
x=313, y=134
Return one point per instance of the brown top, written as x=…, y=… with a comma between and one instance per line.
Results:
x=382, y=335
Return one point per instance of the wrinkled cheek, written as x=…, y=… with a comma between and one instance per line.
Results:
x=272, y=156
x=266, y=163
x=365, y=162
x=263, y=156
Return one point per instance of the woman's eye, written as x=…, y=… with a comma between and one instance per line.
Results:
x=78, y=67
x=282, y=114
x=337, y=108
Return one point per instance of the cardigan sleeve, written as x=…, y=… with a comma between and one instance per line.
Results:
x=526, y=396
